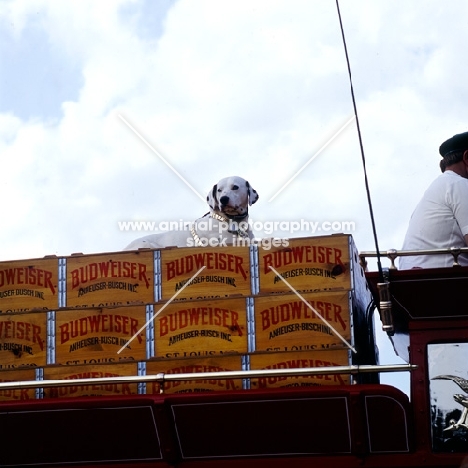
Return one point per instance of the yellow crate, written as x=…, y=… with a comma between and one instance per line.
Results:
x=92, y=336
x=28, y=284
x=89, y=372
x=110, y=279
x=226, y=272
x=309, y=264
x=286, y=323
x=18, y=394
x=201, y=328
x=182, y=366
x=23, y=340
x=300, y=360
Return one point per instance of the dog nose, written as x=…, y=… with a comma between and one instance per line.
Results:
x=224, y=200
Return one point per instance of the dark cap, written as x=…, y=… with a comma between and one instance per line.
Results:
x=456, y=143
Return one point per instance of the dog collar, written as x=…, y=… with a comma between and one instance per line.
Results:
x=238, y=217
x=240, y=232
x=195, y=236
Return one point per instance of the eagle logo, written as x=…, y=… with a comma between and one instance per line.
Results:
x=459, y=398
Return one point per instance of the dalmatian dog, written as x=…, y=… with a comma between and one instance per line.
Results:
x=227, y=220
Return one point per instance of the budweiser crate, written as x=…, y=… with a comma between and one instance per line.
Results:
x=101, y=335
x=309, y=264
x=226, y=273
x=110, y=279
x=201, y=328
x=300, y=359
x=287, y=323
x=183, y=366
x=29, y=284
x=18, y=394
x=90, y=372
x=23, y=340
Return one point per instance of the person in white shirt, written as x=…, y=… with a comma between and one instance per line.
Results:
x=440, y=220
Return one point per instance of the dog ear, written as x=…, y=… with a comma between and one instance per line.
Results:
x=253, y=195
x=211, y=198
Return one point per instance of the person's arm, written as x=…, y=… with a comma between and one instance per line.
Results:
x=458, y=196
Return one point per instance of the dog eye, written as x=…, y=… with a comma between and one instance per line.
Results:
x=235, y=187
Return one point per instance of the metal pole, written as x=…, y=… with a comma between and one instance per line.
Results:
x=161, y=377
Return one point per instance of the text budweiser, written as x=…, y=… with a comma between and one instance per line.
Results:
x=105, y=323
x=302, y=254
x=27, y=275
x=297, y=310
x=198, y=316
x=110, y=269
x=18, y=330
x=211, y=260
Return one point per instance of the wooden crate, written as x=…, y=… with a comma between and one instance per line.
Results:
x=23, y=340
x=286, y=323
x=18, y=394
x=309, y=264
x=182, y=366
x=28, y=284
x=91, y=336
x=88, y=372
x=110, y=279
x=201, y=328
x=226, y=273
x=301, y=359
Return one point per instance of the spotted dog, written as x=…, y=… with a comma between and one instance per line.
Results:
x=229, y=202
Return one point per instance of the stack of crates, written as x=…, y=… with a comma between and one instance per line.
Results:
x=183, y=310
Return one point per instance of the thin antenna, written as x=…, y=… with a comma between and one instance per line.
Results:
x=369, y=202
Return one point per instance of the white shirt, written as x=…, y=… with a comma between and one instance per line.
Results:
x=439, y=221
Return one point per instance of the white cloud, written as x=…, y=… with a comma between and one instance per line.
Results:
x=249, y=88
x=229, y=88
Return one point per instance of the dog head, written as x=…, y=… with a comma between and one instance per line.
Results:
x=232, y=196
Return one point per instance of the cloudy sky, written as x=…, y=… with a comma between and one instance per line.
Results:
x=255, y=88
